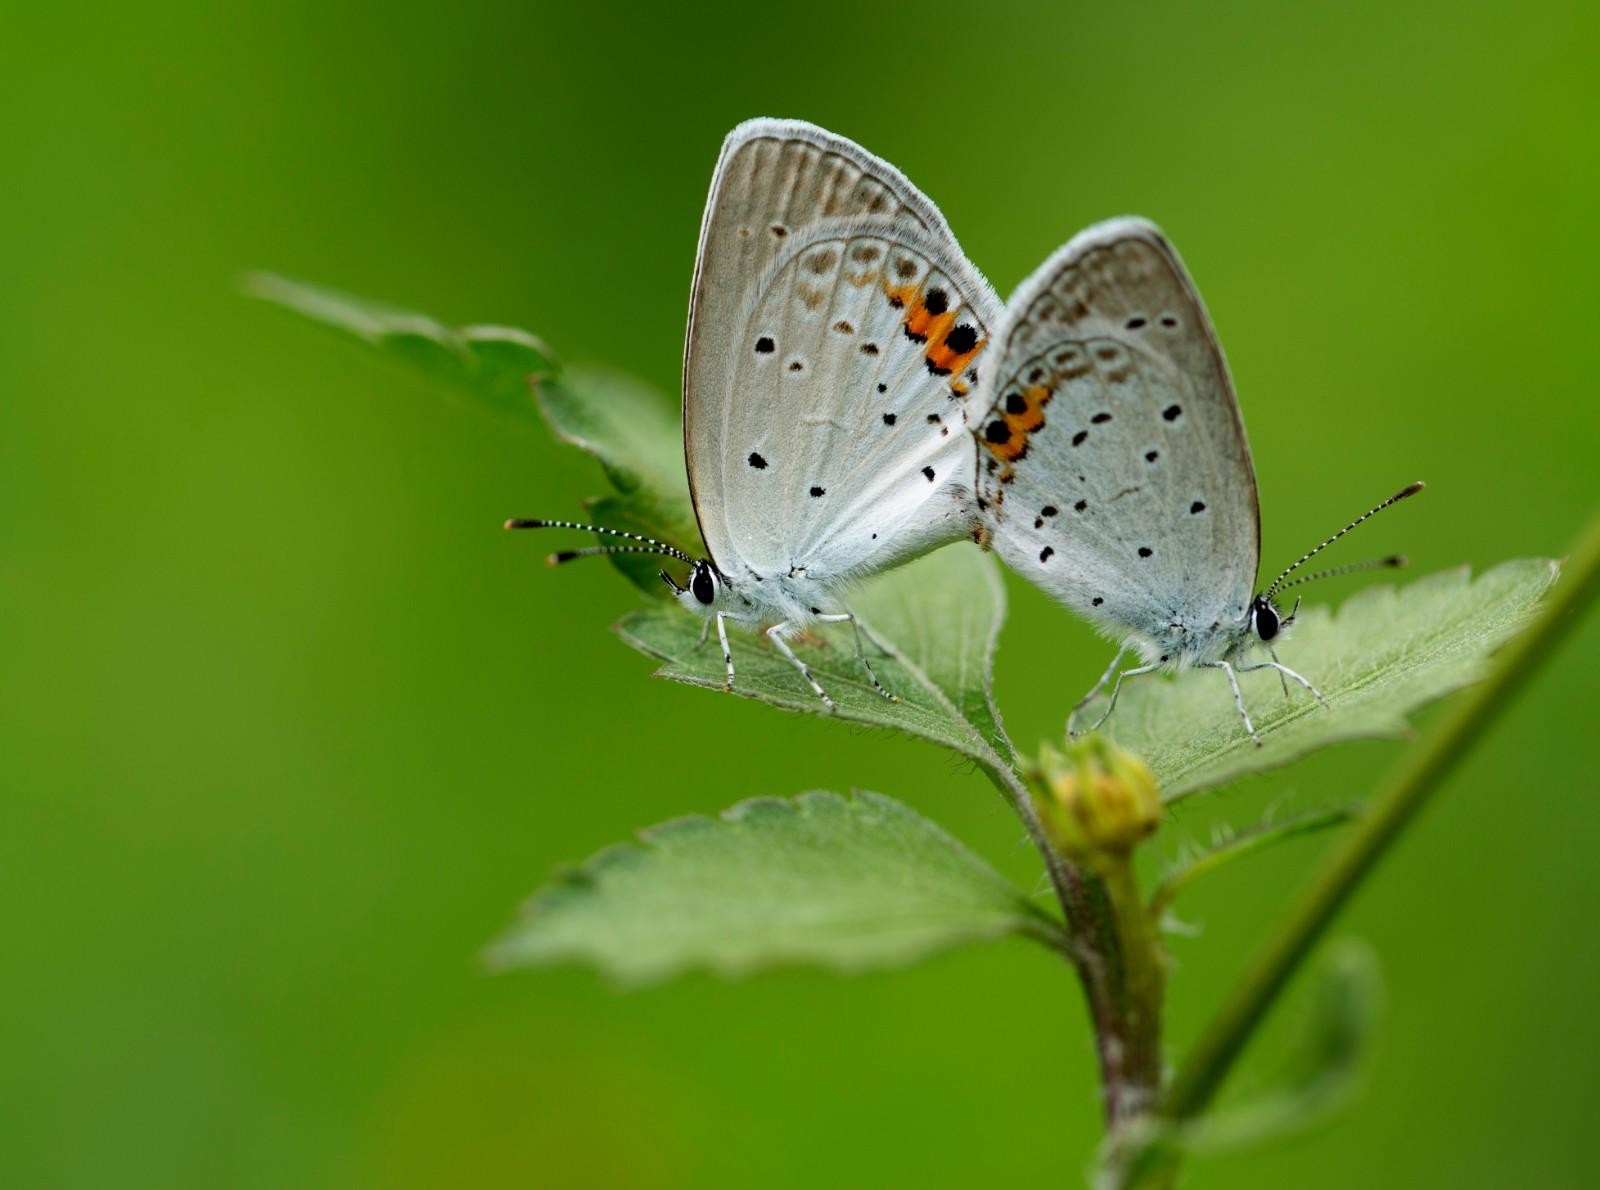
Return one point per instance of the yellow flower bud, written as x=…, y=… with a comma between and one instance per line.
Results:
x=1095, y=799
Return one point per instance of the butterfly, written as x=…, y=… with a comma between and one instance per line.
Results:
x=1117, y=476
x=835, y=328
x=837, y=422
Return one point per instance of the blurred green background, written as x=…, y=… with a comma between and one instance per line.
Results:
x=290, y=726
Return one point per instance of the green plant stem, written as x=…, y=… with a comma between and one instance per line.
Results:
x=1394, y=805
x=1091, y=947
x=1142, y=978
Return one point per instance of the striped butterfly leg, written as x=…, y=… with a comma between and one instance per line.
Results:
x=1238, y=698
x=1116, y=689
x=861, y=655
x=727, y=653
x=776, y=635
x=1094, y=692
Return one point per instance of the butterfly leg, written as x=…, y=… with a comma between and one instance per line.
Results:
x=705, y=631
x=1283, y=681
x=1095, y=690
x=866, y=633
x=776, y=634
x=727, y=653
x=1284, y=674
x=1116, y=689
x=861, y=655
x=1238, y=699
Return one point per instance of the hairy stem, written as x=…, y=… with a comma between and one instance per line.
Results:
x=1392, y=807
x=1091, y=946
x=1141, y=981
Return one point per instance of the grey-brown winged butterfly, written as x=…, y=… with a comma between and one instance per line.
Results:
x=834, y=326
x=1116, y=474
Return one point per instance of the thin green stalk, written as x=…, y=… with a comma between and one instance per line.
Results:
x=1143, y=979
x=1242, y=844
x=1396, y=802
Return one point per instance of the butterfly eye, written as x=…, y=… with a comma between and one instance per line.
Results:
x=703, y=584
x=1266, y=620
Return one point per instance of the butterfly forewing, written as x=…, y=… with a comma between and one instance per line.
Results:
x=1113, y=466
x=833, y=343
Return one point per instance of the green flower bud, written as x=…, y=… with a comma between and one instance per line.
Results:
x=1095, y=799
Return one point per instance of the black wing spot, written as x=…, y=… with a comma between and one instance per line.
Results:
x=962, y=340
x=765, y=345
x=1078, y=438
x=756, y=461
x=779, y=230
x=1080, y=506
x=928, y=471
x=816, y=491
x=1151, y=456
x=883, y=388
x=936, y=302
x=844, y=327
x=1197, y=506
x=1044, y=554
x=1100, y=419
x=1048, y=510
x=1096, y=601
x=1171, y=412
x=997, y=431
x=1168, y=320
x=888, y=419
x=1144, y=550
x=1015, y=403
x=1134, y=324
x=869, y=349
x=796, y=365
x=933, y=419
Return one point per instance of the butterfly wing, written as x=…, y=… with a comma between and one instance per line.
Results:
x=834, y=330
x=1114, y=469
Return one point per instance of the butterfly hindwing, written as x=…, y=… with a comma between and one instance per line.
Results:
x=845, y=442
x=834, y=334
x=1113, y=467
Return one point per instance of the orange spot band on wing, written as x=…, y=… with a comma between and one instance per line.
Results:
x=1014, y=421
x=944, y=359
x=1031, y=417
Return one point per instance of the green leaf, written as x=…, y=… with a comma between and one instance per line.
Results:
x=1387, y=652
x=1323, y=1072
x=937, y=618
x=636, y=435
x=492, y=362
x=631, y=429
x=1233, y=844
x=845, y=883
x=1319, y=1080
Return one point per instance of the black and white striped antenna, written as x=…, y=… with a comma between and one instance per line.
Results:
x=1393, y=560
x=647, y=545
